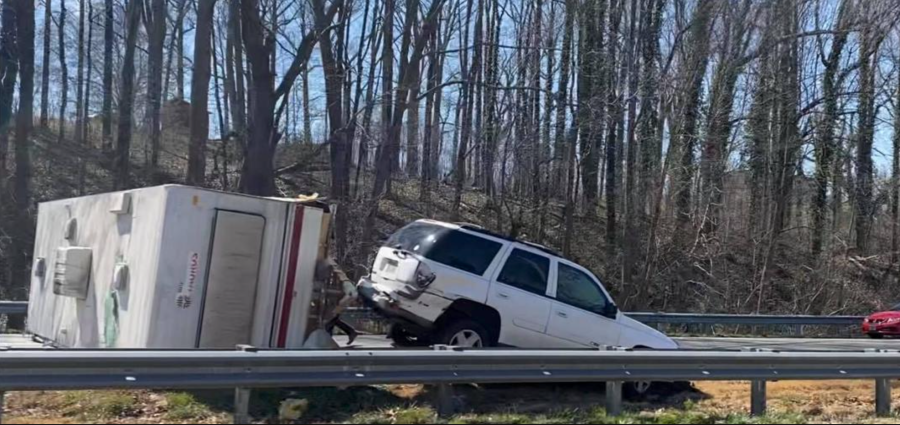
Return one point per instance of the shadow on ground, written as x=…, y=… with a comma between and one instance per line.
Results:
x=331, y=405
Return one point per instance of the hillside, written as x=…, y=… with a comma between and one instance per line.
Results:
x=727, y=275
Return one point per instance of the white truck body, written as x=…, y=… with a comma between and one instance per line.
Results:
x=174, y=267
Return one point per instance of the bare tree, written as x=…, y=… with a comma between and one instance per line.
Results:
x=133, y=11
x=108, y=43
x=867, y=112
x=688, y=106
x=9, y=72
x=156, y=24
x=196, y=172
x=64, y=70
x=45, y=67
x=825, y=148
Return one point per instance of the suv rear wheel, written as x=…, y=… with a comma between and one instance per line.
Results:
x=464, y=333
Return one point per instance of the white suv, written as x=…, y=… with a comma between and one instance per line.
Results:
x=463, y=286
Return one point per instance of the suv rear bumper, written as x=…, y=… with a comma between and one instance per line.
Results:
x=389, y=308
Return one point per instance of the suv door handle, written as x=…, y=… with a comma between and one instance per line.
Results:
x=502, y=295
x=563, y=315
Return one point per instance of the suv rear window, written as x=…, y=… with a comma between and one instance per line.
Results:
x=449, y=247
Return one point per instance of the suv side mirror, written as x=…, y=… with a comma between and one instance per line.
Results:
x=611, y=311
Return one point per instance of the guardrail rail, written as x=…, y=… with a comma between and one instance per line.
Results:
x=367, y=319
x=13, y=307
x=248, y=368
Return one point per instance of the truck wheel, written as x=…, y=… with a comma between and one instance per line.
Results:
x=401, y=337
x=465, y=333
x=638, y=391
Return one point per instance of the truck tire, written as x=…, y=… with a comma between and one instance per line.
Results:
x=464, y=333
x=401, y=337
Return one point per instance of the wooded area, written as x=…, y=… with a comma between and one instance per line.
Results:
x=720, y=155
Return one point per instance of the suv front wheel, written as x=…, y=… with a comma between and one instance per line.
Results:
x=464, y=333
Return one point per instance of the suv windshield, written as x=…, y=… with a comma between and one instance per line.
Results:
x=447, y=246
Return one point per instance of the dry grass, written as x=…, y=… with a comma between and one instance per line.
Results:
x=832, y=402
x=820, y=402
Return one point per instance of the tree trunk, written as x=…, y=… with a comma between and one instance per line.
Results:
x=24, y=122
x=79, y=76
x=222, y=115
x=825, y=148
x=258, y=176
x=412, y=129
x=109, y=40
x=126, y=95
x=196, y=172
x=64, y=72
x=428, y=139
x=240, y=105
x=865, y=170
x=649, y=138
x=895, y=185
x=595, y=100
x=562, y=97
x=383, y=153
x=45, y=65
x=464, y=125
x=492, y=117
x=686, y=133
x=90, y=78
x=235, y=71
x=719, y=123
x=340, y=146
x=631, y=198
x=362, y=162
x=157, y=36
x=9, y=71
x=179, y=61
x=616, y=111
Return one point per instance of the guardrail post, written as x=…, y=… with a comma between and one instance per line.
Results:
x=242, y=396
x=445, y=396
x=758, y=398
x=614, y=398
x=883, y=398
x=242, y=406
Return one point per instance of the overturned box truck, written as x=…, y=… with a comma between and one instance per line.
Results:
x=176, y=267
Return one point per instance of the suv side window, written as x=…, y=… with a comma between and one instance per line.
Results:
x=526, y=271
x=577, y=289
x=464, y=251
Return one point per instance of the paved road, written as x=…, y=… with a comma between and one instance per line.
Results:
x=17, y=341
x=781, y=344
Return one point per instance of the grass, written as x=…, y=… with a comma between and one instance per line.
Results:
x=425, y=415
x=719, y=403
x=184, y=406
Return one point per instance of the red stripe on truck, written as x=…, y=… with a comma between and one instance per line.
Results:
x=291, y=277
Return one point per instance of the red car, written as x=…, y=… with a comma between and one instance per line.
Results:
x=886, y=323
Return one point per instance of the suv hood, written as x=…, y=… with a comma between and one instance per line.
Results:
x=885, y=315
x=637, y=334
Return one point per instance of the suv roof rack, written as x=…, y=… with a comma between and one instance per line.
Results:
x=479, y=229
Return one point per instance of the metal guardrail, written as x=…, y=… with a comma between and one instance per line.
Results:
x=13, y=307
x=21, y=307
x=26, y=370
x=797, y=323
x=745, y=320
